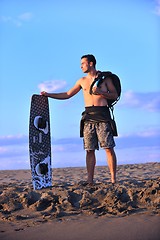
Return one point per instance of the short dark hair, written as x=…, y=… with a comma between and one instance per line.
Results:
x=90, y=58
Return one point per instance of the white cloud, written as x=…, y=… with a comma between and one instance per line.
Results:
x=18, y=20
x=52, y=85
x=14, y=150
x=148, y=132
x=149, y=101
x=3, y=150
x=157, y=7
x=27, y=16
x=13, y=140
x=5, y=19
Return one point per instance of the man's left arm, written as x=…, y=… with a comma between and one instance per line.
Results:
x=110, y=92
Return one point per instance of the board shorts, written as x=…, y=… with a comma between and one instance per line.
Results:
x=97, y=133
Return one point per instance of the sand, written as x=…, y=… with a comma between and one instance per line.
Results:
x=130, y=209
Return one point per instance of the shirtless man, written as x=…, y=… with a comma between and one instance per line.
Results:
x=94, y=131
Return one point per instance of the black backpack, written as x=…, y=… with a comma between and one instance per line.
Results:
x=116, y=83
x=111, y=103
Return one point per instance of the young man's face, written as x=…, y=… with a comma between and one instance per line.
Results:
x=85, y=65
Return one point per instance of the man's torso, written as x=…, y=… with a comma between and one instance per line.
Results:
x=93, y=100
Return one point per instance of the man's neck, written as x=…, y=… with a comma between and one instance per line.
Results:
x=92, y=73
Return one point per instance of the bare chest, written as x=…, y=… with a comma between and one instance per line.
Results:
x=87, y=84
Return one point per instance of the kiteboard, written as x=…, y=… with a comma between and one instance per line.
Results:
x=40, y=142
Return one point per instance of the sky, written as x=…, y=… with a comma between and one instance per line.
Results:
x=41, y=44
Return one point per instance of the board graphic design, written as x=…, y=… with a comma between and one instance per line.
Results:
x=40, y=142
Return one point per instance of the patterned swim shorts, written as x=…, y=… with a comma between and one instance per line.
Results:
x=95, y=133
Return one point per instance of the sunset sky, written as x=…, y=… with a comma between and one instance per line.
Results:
x=41, y=43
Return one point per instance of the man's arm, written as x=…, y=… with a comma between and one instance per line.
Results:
x=64, y=95
x=110, y=94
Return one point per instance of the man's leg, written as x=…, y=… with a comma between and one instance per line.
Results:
x=112, y=163
x=90, y=163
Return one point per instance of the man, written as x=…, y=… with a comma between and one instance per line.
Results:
x=95, y=121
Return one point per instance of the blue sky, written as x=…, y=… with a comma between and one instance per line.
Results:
x=41, y=43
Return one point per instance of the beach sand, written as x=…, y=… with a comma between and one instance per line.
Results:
x=128, y=210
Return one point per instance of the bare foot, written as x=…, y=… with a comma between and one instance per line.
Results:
x=113, y=180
